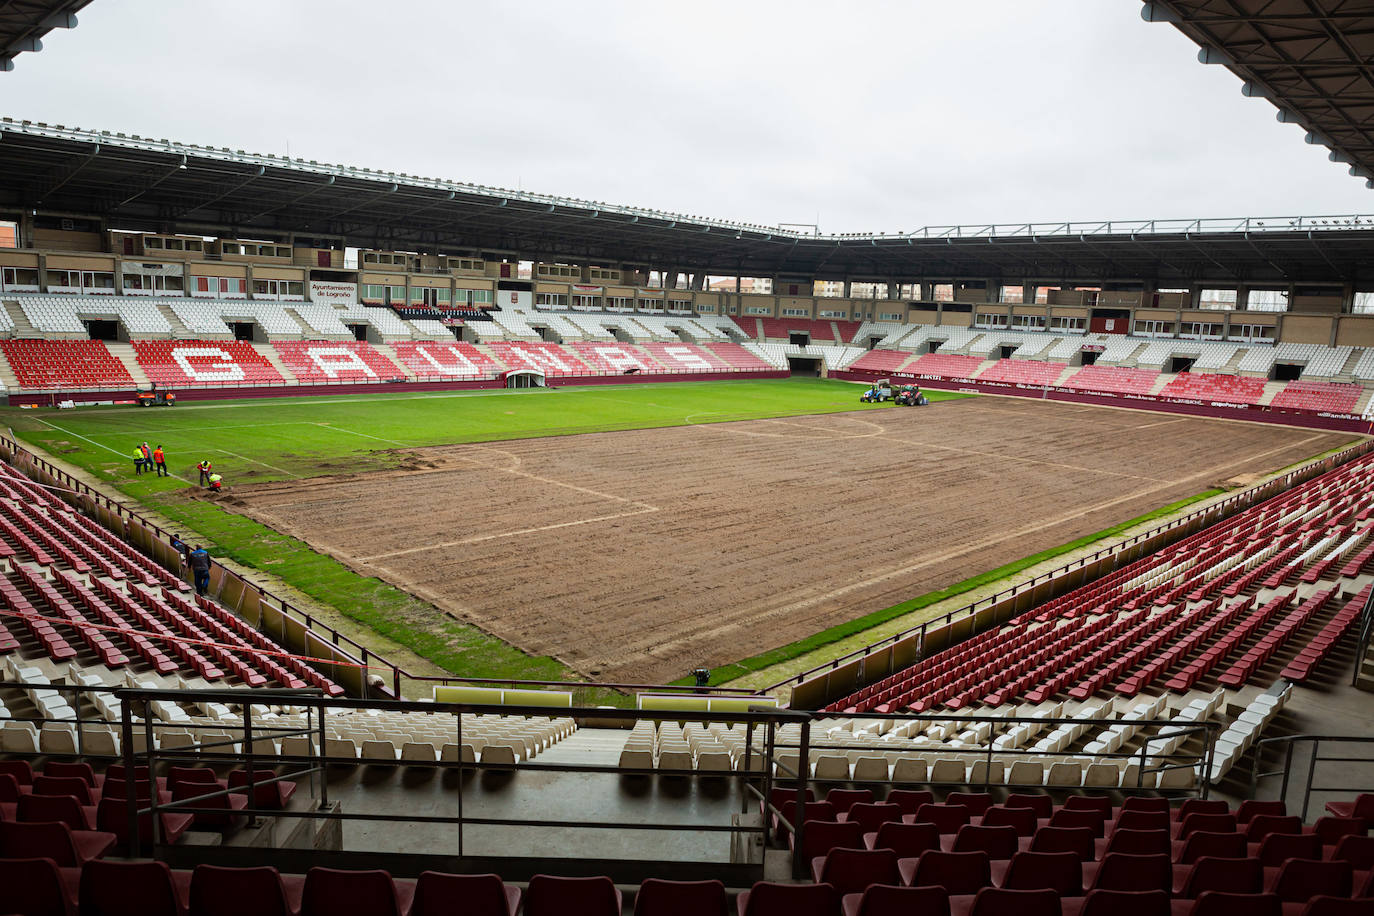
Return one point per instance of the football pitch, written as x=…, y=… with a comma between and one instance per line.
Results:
x=289, y=438
x=546, y=558
x=273, y=439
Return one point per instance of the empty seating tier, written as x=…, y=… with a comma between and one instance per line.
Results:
x=445, y=359
x=686, y=357
x=1113, y=379
x=1234, y=389
x=317, y=361
x=205, y=362
x=614, y=358
x=1319, y=396
x=64, y=364
x=882, y=360
x=71, y=584
x=945, y=365
x=738, y=357
x=546, y=358
x=1023, y=371
x=783, y=328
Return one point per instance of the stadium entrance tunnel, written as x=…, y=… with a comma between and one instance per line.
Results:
x=524, y=378
x=810, y=368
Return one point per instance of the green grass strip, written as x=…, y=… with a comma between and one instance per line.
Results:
x=727, y=673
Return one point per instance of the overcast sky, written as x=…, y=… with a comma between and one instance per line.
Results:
x=862, y=116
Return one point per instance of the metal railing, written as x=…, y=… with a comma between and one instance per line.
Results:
x=771, y=759
x=1366, y=631
x=321, y=709
x=1306, y=755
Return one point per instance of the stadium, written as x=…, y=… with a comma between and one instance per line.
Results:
x=369, y=541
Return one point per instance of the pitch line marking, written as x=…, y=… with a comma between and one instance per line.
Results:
x=1039, y=461
x=98, y=445
x=507, y=534
x=1031, y=529
x=354, y=432
x=224, y=451
x=1160, y=423
x=729, y=427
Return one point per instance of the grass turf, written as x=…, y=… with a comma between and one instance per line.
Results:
x=284, y=438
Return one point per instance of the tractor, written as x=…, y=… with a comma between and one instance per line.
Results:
x=881, y=391
x=910, y=396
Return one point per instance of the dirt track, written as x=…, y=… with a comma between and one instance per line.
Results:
x=639, y=555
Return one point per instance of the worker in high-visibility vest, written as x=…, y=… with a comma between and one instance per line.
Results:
x=204, y=467
x=216, y=482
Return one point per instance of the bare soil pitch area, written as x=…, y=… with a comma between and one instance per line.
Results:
x=641, y=554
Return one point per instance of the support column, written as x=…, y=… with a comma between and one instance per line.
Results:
x=1242, y=298
x=1028, y=293
x=1194, y=296
x=848, y=288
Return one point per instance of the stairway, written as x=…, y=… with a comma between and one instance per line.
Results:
x=1271, y=390
x=269, y=353
x=1160, y=382
x=22, y=326
x=1363, y=403
x=1065, y=376
x=588, y=747
x=1232, y=366
x=179, y=329
x=8, y=380
x=1347, y=371
x=486, y=351
x=125, y=354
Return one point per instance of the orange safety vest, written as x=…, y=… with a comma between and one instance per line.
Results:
x=157, y=455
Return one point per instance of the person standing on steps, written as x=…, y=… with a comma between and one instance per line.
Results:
x=200, y=569
x=160, y=460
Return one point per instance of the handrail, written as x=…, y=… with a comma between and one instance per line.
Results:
x=1225, y=507
x=1366, y=633
x=1287, y=744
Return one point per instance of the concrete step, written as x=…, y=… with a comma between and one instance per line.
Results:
x=1160, y=382
x=1233, y=363
x=125, y=354
x=1347, y=371
x=22, y=326
x=486, y=351
x=269, y=353
x=588, y=747
x=179, y=328
x=1271, y=390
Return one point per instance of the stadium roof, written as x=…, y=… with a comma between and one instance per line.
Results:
x=23, y=23
x=162, y=185
x=1314, y=59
